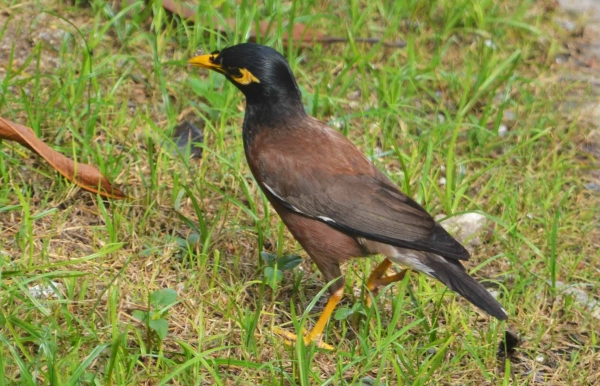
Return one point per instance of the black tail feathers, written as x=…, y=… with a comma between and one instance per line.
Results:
x=454, y=276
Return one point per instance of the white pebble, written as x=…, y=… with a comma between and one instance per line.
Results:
x=502, y=130
x=540, y=359
x=44, y=291
x=490, y=43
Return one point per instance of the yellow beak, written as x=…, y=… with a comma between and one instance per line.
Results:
x=242, y=76
x=205, y=61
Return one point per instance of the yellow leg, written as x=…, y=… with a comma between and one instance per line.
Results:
x=317, y=331
x=391, y=279
x=376, y=279
x=378, y=274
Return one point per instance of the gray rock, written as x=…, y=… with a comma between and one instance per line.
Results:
x=592, y=186
x=466, y=227
x=589, y=8
x=579, y=296
x=566, y=24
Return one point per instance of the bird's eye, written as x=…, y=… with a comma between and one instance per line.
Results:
x=234, y=72
x=242, y=76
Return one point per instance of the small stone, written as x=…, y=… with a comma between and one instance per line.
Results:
x=337, y=123
x=490, y=43
x=502, y=130
x=374, y=126
x=566, y=24
x=562, y=58
x=592, y=186
x=579, y=296
x=367, y=381
x=354, y=95
x=590, y=8
x=466, y=227
x=43, y=291
x=442, y=181
x=462, y=171
x=540, y=359
x=509, y=115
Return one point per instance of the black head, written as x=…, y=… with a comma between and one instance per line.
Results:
x=260, y=72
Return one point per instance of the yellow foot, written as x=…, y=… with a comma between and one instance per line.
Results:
x=368, y=301
x=375, y=282
x=289, y=338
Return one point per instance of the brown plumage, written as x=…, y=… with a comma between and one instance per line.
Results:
x=333, y=200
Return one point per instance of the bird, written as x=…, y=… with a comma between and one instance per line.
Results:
x=334, y=201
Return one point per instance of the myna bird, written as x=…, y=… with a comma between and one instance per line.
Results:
x=333, y=200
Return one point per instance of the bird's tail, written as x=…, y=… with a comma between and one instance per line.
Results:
x=454, y=276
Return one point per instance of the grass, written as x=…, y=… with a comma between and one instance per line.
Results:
x=110, y=87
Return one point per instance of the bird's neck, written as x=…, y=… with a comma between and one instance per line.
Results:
x=271, y=115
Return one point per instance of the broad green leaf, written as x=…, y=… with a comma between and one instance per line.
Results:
x=163, y=297
x=142, y=316
x=343, y=313
x=289, y=262
x=267, y=257
x=161, y=327
x=273, y=276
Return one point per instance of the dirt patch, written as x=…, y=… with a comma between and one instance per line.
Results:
x=27, y=30
x=579, y=65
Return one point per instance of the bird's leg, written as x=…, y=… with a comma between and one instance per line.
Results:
x=378, y=274
x=315, y=334
x=377, y=279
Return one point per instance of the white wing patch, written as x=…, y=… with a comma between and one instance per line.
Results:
x=323, y=218
x=326, y=219
x=411, y=260
x=281, y=198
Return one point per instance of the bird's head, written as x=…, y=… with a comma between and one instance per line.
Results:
x=260, y=72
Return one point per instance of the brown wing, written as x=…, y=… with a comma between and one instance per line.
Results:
x=321, y=174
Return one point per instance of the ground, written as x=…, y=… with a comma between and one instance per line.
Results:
x=492, y=107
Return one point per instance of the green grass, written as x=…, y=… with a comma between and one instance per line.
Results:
x=110, y=88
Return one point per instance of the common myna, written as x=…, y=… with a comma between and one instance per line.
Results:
x=333, y=200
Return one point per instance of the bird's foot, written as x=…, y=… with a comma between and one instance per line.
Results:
x=374, y=283
x=289, y=338
x=370, y=295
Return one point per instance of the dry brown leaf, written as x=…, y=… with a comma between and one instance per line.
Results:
x=301, y=35
x=188, y=134
x=86, y=176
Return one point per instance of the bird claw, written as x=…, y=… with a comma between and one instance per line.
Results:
x=372, y=291
x=368, y=296
x=289, y=338
x=374, y=283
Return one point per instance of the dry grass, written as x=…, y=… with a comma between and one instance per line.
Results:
x=105, y=258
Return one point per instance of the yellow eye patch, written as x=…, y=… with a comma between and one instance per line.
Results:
x=244, y=77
